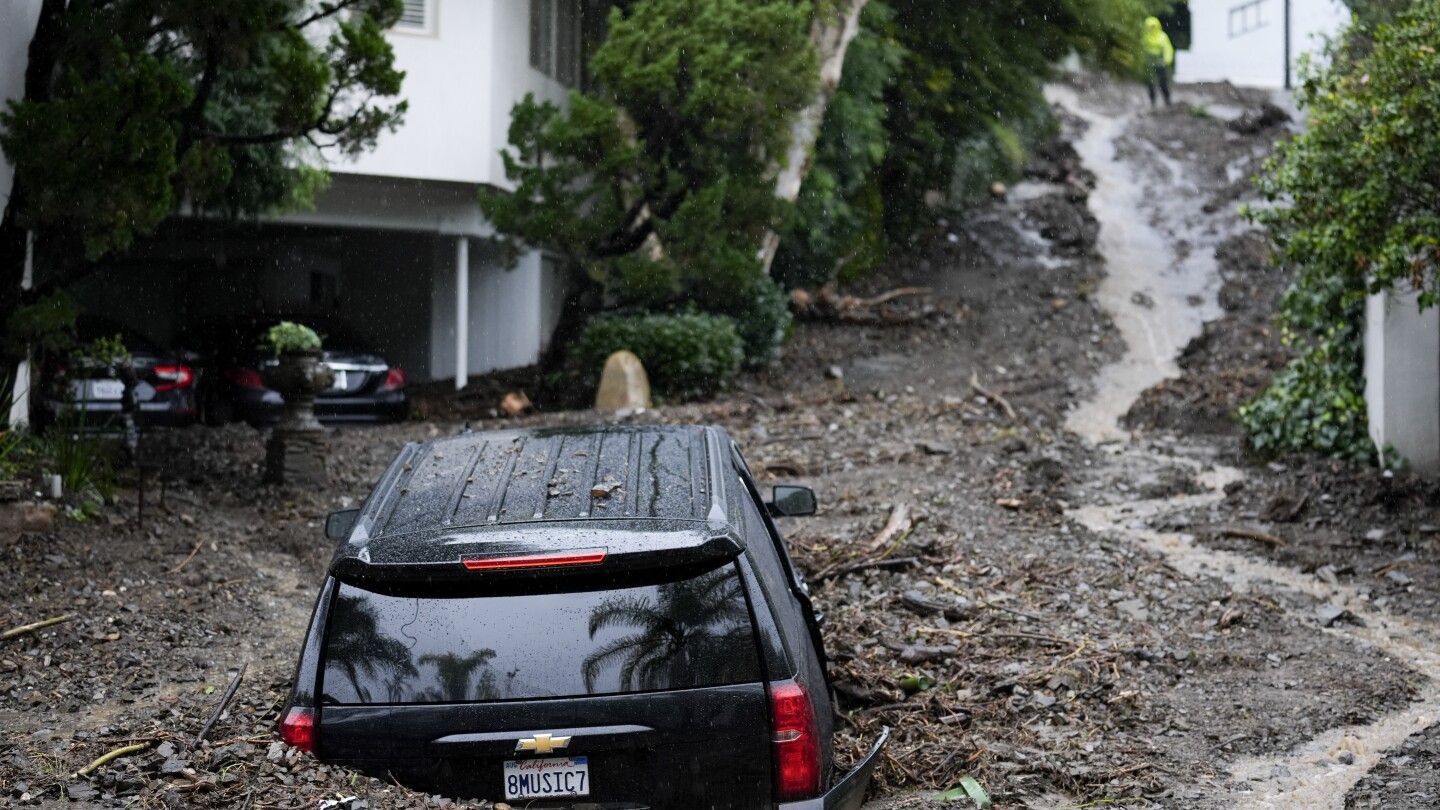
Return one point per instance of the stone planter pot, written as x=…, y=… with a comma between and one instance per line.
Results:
x=296, y=451
x=298, y=378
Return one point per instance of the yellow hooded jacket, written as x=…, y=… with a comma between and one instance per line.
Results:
x=1157, y=44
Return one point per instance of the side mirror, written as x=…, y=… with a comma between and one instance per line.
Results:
x=338, y=525
x=791, y=501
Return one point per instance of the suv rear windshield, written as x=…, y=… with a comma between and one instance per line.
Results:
x=408, y=649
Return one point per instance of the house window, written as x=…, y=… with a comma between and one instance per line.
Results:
x=555, y=39
x=1247, y=17
x=418, y=17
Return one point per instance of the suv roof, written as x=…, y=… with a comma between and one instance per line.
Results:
x=631, y=494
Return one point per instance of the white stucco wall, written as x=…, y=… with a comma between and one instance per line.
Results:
x=1402, y=377
x=17, y=26
x=461, y=82
x=1255, y=58
x=507, y=310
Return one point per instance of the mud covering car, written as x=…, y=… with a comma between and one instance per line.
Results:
x=597, y=617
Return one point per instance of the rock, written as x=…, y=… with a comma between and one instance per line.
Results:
x=173, y=766
x=623, y=383
x=936, y=449
x=1329, y=614
x=998, y=190
x=515, y=403
x=1134, y=608
x=1345, y=758
x=17, y=518
x=920, y=653
x=1253, y=122
x=834, y=373
x=80, y=792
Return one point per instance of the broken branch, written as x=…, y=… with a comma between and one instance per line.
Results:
x=118, y=752
x=26, y=628
x=186, y=561
x=825, y=304
x=1251, y=534
x=991, y=395
x=863, y=565
x=224, y=701
x=898, y=523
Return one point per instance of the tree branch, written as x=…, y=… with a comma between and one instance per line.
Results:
x=322, y=14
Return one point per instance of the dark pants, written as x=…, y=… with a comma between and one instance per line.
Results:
x=1159, y=74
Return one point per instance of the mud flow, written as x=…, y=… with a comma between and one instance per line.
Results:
x=1043, y=556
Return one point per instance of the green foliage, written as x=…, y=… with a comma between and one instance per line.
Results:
x=287, y=337
x=222, y=105
x=689, y=355
x=1353, y=206
x=108, y=351
x=839, y=215
x=971, y=66
x=1315, y=403
x=937, y=96
x=1354, y=198
x=47, y=325
x=658, y=184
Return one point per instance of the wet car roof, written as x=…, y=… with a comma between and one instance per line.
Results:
x=633, y=487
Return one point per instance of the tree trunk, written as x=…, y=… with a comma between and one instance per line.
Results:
x=833, y=29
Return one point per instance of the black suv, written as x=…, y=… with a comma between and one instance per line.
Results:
x=603, y=617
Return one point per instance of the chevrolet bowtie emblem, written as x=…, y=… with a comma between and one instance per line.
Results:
x=542, y=743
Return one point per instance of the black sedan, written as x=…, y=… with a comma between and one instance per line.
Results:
x=366, y=388
x=82, y=388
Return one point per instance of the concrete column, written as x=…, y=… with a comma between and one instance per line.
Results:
x=20, y=391
x=1402, y=377
x=462, y=311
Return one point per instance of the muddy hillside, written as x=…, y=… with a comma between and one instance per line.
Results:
x=1045, y=560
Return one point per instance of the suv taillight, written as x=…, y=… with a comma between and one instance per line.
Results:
x=173, y=377
x=298, y=728
x=394, y=380
x=796, y=745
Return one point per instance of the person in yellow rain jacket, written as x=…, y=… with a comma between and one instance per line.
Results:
x=1159, y=57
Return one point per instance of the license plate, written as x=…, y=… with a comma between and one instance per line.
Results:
x=545, y=778
x=106, y=389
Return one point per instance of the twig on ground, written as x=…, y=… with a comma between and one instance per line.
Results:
x=899, y=522
x=862, y=565
x=186, y=561
x=118, y=752
x=224, y=701
x=991, y=395
x=1251, y=534
x=26, y=628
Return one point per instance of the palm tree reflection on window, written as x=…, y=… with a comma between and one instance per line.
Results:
x=686, y=626
x=454, y=672
x=357, y=647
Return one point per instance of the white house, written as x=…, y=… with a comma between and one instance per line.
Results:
x=1248, y=42
x=397, y=248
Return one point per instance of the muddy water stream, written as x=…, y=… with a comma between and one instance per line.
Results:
x=1158, y=295
x=1159, y=299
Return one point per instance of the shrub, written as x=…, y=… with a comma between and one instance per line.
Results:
x=1351, y=207
x=288, y=336
x=688, y=355
x=761, y=313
